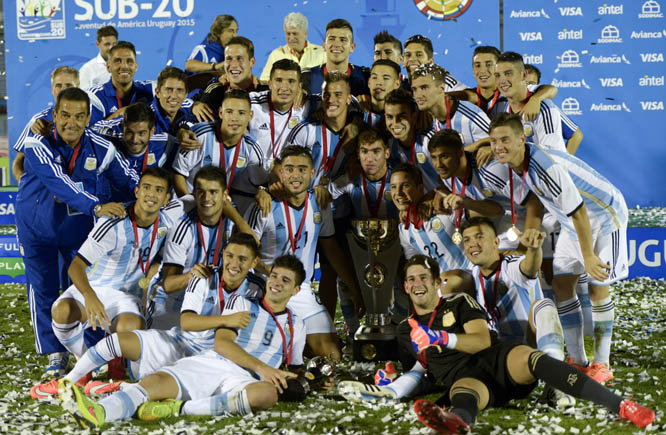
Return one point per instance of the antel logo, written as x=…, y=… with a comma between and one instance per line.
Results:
x=610, y=10
x=534, y=59
x=570, y=34
x=646, y=80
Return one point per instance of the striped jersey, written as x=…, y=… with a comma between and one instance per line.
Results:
x=273, y=231
x=113, y=254
x=373, y=119
x=417, y=154
x=433, y=239
x=46, y=114
x=209, y=51
x=450, y=83
x=104, y=101
x=363, y=196
x=568, y=126
x=467, y=119
x=563, y=183
x=507, y=298
x=202, y=298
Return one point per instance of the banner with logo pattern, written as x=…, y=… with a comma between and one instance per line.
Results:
x=607, y=60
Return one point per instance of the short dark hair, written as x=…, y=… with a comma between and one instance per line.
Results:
x=296, y=150
x=386, y=62
x=340, y=23
x=139, y=112
x=171, y=72
x=73, y=94
x=420, y=39
x=384, y=36
x=412, y=172
x=477, y=221
x=532, y=69
x=106, y=31
x=292, y=263
x=211, y=173
x=157, y=172
x=286, y=65
x=242, y=40
x=401, y=96
x=512, y=120
x=336, y=76
x=487, y=49
x=371, y=135
x=220, y=23
x=427, y=262
x=238, y=94
x=247, y=240
x=436, y=72
x=512, y=57
x=446, y=138
x=120, y=45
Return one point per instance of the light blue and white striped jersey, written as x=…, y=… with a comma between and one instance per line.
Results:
x=568, y=126
x=112, y=253
x=202, y=298
x=273, y=231
x=433, y=239
x=563, y=182
x=373, y=119
x=249, y=171
x=356, y=190
x=419, y=156
x=46, y=114
x=467, y=119
x=262, y=338
x=508, y=305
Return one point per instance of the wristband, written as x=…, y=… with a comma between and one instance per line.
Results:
x=453, y=339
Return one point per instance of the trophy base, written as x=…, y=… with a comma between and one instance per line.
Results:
x=374, y=343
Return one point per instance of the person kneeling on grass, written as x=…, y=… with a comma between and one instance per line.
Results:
x=242, y=375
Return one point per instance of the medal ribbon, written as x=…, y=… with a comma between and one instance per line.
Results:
x=380, y=194
x=220, y=292
x=223, y=163
x=419, y=222
x=447, y=102
x=294, y=240
x=483, y=291
x=459, y=213
x=412, y=153
x=156, y=224
x=527, y=97
x=480, y=99
x=434, y=313
x=326, y=161
x=287, y=353
x=273, y=147
x=77, y=149
x=144, y=165
x=218, y=241
x=526, y=163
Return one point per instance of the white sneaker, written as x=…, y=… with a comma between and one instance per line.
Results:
x=57, y=365
x=556, y=398
x=354, y=391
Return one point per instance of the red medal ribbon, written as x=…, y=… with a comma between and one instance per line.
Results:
x=412, y=153
x=156, y=224
x=287, y=353
x=419, y=222
x=480, y=99
x=526, y=163
x=434, y=313
x=118, y=100
x=327, y=162
x=380, y=194
x=223, y=163
x=220, y=292
x=144, y=165
x=527, y=97
x=459, y=213
x=489, y=309
x=270, y=108
x=447, y=102
x=72, y=161
x=294, y=240
x=218, y=241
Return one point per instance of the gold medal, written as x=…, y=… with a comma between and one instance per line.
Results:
x=323, y=181
x=144, y=283
x=457, y=237
x=512, y=234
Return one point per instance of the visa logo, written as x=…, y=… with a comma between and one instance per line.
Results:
x=6, y=209
x=611, y=82
x=571, y=11
x=652, y=57
x=531, y=36
x=652, y=105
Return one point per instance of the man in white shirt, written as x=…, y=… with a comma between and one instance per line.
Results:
x=94, y=72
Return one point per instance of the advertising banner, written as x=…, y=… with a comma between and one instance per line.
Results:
x=647, y=252
x=607, y=60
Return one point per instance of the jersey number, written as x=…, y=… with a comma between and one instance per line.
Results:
x=268, y=337
x=434, y=248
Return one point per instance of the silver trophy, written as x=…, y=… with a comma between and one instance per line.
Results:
x=375, y=251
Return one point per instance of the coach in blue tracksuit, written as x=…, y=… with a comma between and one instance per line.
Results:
x=66, y=182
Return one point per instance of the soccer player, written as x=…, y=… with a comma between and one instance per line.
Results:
x=384, y=77
x=225, y=144
x=242, y=375
x=209, y=55
x=295, y=225
x=298, y=48
x=593, y=217
x=450, y=337
x=419, y=51
x=172, y=109
x=532, y=75
x=339, y=44
x=65, y=184
x=202, y=313
x=238, y=63
x=387, y=47
x=122, y=89
x=94, y=73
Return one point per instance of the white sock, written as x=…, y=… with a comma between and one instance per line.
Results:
x=70, y=335
x=104, y=351
x=585, y=305
x=603, y=312
x=549, y=333
x=409, y=383
x=221, y=404
x=123, y=404
x=571, y=318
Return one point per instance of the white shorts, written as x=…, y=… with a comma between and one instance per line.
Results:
x=115, y=302
x=551, y=226
x=206, y=375
x=306, y=305
x=159, y=348
x=611, y=249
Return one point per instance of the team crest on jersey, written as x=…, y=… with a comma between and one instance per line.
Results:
x=487, y=192
x=437, y=225
x=448, y=319
x=387, y=196
x=241, y=162
x=293, y=122
x=421, y=157
x=317, y=217
x=527, y=129
x=90, y=164
x=537, y=190
x=161, y=231
x=151, y=159
x=207, y=160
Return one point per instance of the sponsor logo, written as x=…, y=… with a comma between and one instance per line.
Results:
x=571, y=11
x=646, y=256
x=652, y=105
x=534, y=59
x=610, y=10
x=569, y=59
x=530, y=36
x=611, y=82
x=570, y=34
x=436, y=9
x=652, y=57
x=603, y=107
x=651, y=81
x=570, y=84
x=571, y=106
x=7, y=208
x=647, y=35
x=529, y=14
x=609, y=34
x=12, y=266
x=614, y=58
x=40, y=20
x=651, y=9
